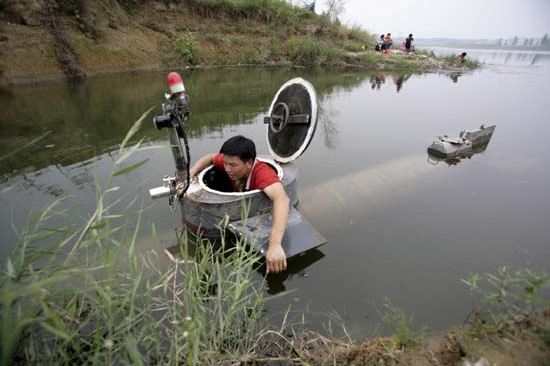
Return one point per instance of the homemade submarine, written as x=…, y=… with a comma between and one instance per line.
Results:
x=207, y=208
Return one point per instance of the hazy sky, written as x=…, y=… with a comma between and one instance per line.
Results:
x=450, y=18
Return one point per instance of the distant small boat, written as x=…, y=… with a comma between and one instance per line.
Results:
x=465, y=145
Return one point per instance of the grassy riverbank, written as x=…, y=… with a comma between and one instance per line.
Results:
x=49, y=38
x=76, y=292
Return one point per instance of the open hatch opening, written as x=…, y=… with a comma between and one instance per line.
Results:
x=218, y=181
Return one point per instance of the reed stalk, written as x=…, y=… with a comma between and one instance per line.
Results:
x=84, y=293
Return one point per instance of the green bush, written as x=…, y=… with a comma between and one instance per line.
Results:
x=354, y=46
x=275, y=51
x=252, y=56
x=310, y=51
x=186, y=47
x=401, y=325
x=237, y=40
x=369, y=58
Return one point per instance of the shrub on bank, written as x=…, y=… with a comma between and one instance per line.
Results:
x=310, y=51
x=186, y=47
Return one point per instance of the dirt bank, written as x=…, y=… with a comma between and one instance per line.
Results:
x=43, y=39
x=525, y=342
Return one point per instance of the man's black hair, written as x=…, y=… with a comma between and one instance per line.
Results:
x=239, y=146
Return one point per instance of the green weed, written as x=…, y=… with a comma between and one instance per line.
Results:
x=369, y=58
x=401, y=324
x=309, y=51
x=353, y=46
x=237, y=40
x=252, y=56
x=186, y=47
x=506, y=296
x=429, y=53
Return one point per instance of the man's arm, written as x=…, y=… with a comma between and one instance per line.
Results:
x=202, y=163
x=275, y=257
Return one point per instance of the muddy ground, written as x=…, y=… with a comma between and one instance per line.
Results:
x=525, y=342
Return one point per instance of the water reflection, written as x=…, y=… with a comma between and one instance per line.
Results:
x=455, y=75
x=327, y=118
x=398, y=79
x=434, y=159
x=90, y=119
x=376, y=81
x=296, y=267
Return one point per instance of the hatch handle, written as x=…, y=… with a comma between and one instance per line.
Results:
x=280, y=118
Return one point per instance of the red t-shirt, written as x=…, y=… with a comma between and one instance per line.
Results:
x=262, y=174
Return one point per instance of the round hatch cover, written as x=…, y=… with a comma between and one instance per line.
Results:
x=291, y=120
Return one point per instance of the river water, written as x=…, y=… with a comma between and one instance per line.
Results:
x=400, y=227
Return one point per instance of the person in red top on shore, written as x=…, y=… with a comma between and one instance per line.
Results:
x=237, y=158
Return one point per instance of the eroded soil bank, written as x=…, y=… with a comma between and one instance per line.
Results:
x=46, y=39
x=524, y=342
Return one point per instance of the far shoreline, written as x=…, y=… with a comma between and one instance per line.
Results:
x=56, y=77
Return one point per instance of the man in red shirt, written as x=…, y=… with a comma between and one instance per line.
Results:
x=237, y=158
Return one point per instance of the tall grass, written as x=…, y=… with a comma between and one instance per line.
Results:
x=82, y=293
x=278, y=11
x=402, y=330
x=507, y=296
x=310, y=51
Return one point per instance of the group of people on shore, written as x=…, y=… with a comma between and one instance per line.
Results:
x=385, y=43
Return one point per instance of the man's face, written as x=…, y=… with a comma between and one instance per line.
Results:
x=235, y=168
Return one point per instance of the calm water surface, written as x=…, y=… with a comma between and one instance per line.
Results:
x=399, y=227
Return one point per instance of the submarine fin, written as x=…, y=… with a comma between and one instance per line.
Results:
x=299, y=235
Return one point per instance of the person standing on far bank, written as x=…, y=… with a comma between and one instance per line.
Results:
x=409, y=44
x=387, y=43
x=460, y=58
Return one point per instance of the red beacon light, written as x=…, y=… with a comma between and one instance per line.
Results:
x=175, y=83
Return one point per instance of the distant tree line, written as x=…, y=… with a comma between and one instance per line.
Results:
x=526, y=42
x=519, y=43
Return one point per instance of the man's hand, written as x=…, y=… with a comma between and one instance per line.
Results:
x=275, y=259
x=201, y=164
